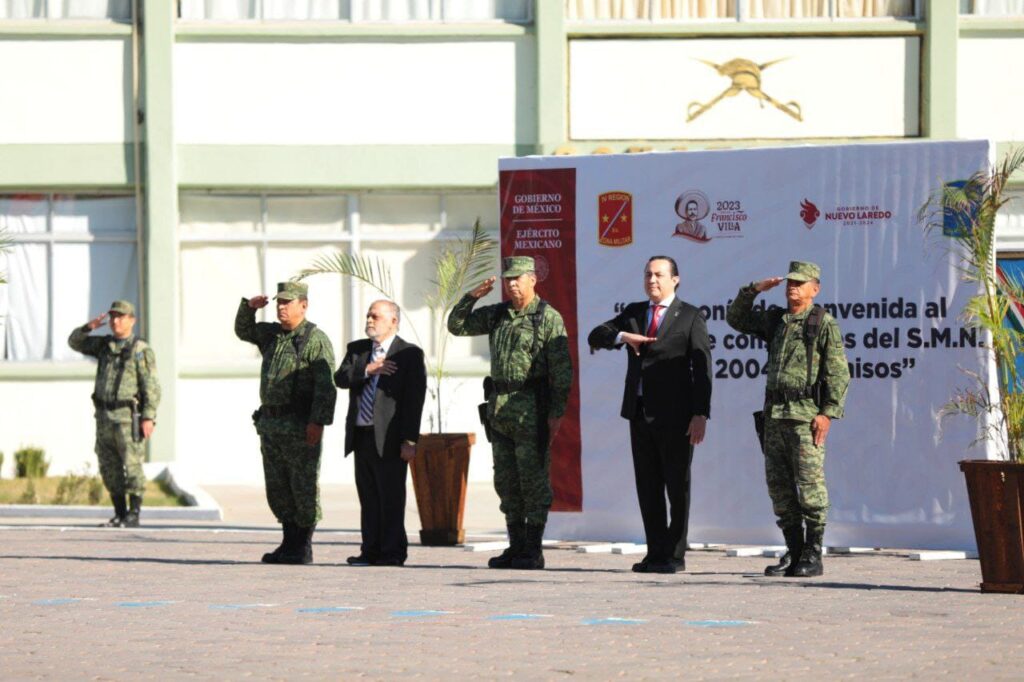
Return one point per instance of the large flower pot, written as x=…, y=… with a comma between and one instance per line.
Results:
x=439, y=472
x=996, y=491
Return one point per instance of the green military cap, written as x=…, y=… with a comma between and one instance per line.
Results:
x=289, y=291
x=122, y=307
x=802, y=271
x=517, y=265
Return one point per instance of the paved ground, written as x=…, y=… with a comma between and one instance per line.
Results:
x=172, y=602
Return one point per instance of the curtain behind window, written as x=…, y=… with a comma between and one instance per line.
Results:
x=65, y=9
x=683, y=10
x=992, y=7
x=75, y=257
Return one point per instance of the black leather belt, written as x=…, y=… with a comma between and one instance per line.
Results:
x=111, y=404
x=276, y=410
x=784, y=395
x=513, y=386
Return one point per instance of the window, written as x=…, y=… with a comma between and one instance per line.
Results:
x=732, y=10
x=71, y=256
x=118, y=10
x=242, y=245
x=992, y=8
x=513, y=11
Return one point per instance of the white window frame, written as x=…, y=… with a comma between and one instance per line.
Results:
x=49, y=238
x=350, y=239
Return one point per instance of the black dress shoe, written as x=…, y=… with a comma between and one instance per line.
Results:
x=361, y=560
x=655, y=566
x=678, y=562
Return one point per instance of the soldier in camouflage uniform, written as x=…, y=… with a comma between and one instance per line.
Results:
x=531, y=371
x=802, y=396
x=297, y=397
x=126, y=396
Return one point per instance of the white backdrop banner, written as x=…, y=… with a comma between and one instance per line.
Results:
x=731, y=217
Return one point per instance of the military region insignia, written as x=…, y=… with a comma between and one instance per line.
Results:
x=615, y=219
x=744, y=76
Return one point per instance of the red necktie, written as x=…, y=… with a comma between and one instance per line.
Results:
x=656, y=309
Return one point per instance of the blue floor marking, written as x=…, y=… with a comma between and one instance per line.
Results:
x=719, y=623
x=142, y=604
x=329, y=609
x=239, y=607
x=613, y=621
x=418, y=614
x=518, y=616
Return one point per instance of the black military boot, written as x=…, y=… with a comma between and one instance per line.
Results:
x=301, y=549
x=532, y=557
x=794, y=548
x=274, y=557
x=120, y=512
x=810, y=559
x=134, y=509
x=516, y=546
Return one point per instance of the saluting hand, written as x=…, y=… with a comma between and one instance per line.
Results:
x=96, y=322
x=257, y=302
x=770, y=283
x=485, y=288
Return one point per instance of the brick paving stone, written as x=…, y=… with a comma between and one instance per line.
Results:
x=204, y=607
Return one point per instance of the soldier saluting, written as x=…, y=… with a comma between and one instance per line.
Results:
x=126, y=395
x=297, y=397
x=531, y=373
x=806, y=389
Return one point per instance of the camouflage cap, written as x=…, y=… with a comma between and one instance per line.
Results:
x=122, y=307
x=289, y=291
x=514, y=266
x=802, y=271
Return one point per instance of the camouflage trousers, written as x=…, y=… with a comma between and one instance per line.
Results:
x=795, y=472
x=120, y=458
x=522, y=477
x=291, y=472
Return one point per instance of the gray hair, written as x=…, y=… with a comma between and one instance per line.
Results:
x=396, y=311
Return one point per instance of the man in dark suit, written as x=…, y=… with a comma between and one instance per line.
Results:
x=387, y=382
x=667, y=401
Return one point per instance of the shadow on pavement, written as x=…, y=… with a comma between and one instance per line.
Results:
x=144, y=560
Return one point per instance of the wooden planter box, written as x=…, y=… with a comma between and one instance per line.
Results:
x=996, y=491
x=439, y=473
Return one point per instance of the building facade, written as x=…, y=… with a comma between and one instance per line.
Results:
x=185, y=154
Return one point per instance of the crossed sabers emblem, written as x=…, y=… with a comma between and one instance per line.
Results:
x=746, y=77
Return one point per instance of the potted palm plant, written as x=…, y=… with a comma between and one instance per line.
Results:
x=965, y=212
x=440, y=468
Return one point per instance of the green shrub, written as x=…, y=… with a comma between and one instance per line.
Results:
x=29, y=496
x=83, y=488
x=31, y=462
x=95, y=490
x=1, y=465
